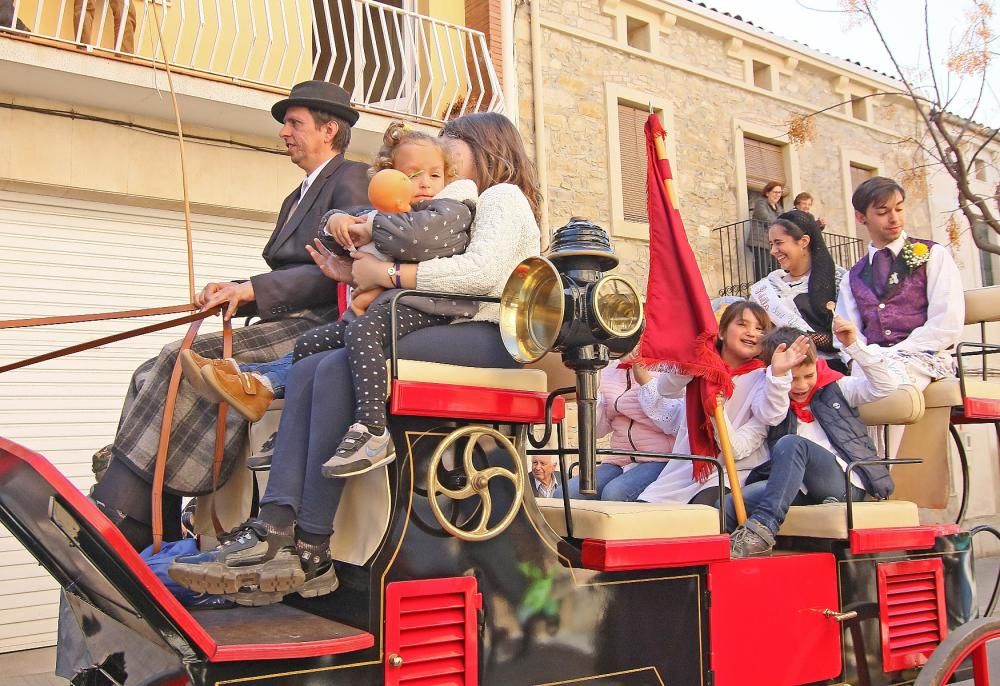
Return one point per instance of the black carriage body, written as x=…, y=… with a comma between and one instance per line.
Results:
x=529, y=611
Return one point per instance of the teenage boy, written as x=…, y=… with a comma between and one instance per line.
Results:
x=812, y=446
x=906, y=293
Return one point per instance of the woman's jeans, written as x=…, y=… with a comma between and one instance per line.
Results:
x=319, y=408
x=614, y=483
x=795, y=462
x=276, y=372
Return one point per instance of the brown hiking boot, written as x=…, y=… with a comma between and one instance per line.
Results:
x=192, y=364
x=242, y=390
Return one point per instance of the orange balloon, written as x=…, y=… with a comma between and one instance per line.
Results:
x=390, y=190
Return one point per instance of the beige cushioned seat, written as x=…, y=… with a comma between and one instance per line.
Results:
x=943, y=393
x=508, y=379
x=613, y=521
x=905, y=405
x=982, y=305
x=830, y=520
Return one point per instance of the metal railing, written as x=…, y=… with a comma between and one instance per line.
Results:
x=746, y=259
x=389, y=59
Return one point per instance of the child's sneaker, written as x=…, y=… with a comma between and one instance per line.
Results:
x=360, y=451
x=260, y=461
x=751, y=539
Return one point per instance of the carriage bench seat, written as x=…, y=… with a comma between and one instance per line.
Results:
x=630, y=536
x=830, y=520
x=433, y=389
x=614, y=521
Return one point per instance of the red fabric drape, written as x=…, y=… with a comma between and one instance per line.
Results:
x=680, y=326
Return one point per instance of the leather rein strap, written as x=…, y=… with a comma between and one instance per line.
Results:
x=114, y=338
x=160, y=468
x=194, y=319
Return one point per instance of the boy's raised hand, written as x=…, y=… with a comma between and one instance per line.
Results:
x=788, y=357
x=845, y=331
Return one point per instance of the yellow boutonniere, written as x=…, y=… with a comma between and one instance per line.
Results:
x=916, y=254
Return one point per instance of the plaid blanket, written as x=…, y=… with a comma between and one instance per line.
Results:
x=192, y=436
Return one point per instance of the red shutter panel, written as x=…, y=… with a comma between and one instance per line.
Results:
x=911, y=611
x=431, y=632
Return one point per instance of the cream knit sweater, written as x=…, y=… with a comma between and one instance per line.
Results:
x=504, y=233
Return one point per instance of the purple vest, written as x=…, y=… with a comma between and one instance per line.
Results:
x=888, y=320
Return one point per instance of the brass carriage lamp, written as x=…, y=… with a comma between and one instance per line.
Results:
x=565, y=302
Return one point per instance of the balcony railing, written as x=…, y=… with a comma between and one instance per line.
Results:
x=743, y=264
x=389, y=59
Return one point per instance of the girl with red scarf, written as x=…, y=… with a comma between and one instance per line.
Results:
x=757, y=402
x=820, y=434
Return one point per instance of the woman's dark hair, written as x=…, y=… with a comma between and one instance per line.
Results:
x=875, y=190
x=735, y=311
x=822, y=272
x=497, y=152
x=771, y=185
x=801, y=197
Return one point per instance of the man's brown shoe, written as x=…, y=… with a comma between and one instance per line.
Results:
x=192, y=364
x=242, y=391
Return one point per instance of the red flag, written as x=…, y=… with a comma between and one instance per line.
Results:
x=680, y=326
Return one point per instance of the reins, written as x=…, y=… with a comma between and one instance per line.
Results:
x=193, y=320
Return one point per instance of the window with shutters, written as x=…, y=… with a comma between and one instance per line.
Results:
x=627, y=112
x=632, y=139
x=765, y=162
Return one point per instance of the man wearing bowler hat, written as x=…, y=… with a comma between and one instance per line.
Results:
x=293, y=297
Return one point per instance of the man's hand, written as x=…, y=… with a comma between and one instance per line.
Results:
x=845, y=331
x=235, y=294
x=209, y=290
x=343, y=228
x=789, y=357
x=370, y=272
x=333, y=266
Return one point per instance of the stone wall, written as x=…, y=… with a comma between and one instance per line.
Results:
x=693, y=69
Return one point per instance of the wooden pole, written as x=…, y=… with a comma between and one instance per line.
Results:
x=730, y=462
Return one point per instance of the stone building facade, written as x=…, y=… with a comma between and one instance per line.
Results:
x=714, y=79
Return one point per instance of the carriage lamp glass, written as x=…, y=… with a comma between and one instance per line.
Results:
x=617, y=306
x=543, y=310
x=532, y=308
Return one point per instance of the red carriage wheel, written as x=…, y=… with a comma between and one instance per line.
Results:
x=969, y=640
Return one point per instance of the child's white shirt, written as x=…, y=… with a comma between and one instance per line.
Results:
x=758, y=401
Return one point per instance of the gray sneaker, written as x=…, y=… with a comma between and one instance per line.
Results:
x=260, y=461
x=255, y=557
x=319, y=576
x=360, y=451
x=751, y=539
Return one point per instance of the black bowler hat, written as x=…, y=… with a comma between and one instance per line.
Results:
x=317, y=95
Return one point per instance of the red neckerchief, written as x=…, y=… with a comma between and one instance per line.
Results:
x=745, y=368
x=824, y=377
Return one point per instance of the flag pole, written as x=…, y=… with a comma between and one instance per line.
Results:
x=727, y=458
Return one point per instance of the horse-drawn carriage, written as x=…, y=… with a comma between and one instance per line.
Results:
x=452, y=572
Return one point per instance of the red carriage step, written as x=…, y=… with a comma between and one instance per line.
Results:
x=48, y=513
x=661, y=553
x=432, y=389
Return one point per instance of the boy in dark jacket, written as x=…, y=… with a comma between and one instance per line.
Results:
x=811, y=448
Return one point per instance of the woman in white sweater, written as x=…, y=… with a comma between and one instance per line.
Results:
x=286, y=549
